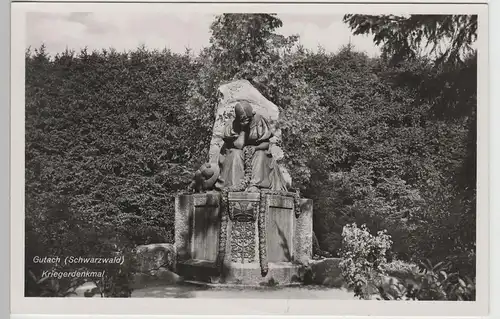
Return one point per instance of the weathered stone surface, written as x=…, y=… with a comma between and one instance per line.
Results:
x=156, y=263
x=154, y=256
x=242, y=245
x=243, y=241
x=205, y=178
x=198, y=270
x=326, y=272
x=197, y=225
x=303, y=234
x=248, y=274
x=280, y=219
x=242, y=90
x=206, y=227
x=242, y=227
x=232, y=93
x=183, y=226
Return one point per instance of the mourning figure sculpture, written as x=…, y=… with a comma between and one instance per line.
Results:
x=245, y=223
x=245, y=153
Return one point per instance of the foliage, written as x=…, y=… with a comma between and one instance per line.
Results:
x=367, y=270
x=363, y=256
x=429, y=282
x=397, y=152
x=450, y=36
x=104, y=156
x=118, y=277
x=400, y=268
x=241, y=38
x=37, y=286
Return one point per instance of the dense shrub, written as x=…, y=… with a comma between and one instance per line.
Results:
x=366, y=268
x=107, y=148
x=427, y=282
x=363, y=257
x=388, y=160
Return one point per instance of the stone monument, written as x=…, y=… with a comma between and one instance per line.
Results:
x=240, y=224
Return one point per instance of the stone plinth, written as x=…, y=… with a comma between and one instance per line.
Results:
x=156, y=263
x=198, y=227
x=154, y=256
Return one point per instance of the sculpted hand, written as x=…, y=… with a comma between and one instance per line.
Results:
x=239, y=143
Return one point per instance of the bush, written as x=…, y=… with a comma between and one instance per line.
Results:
x=386, y=159
x=427, y=282
x=366, y=269
x=107, y=148
x=363, y=257
x=400, y=268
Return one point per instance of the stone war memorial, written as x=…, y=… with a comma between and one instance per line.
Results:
x=241, y=223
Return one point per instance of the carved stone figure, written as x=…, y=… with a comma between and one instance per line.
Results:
x=252, y=229
x=251, y=130
x=205, y=178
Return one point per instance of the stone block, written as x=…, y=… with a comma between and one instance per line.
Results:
x=279, y=273
x=183, y=220
x=155, y=256
x=303, y=235
x=288, y=238
x=199, y=270
x=197, y=224
x=156, y=265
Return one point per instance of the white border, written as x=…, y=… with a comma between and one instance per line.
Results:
x=370, y=2
x=131, y=306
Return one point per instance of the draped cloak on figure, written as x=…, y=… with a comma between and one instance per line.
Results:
x=265, y=171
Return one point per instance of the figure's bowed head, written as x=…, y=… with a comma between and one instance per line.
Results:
x=244, y=113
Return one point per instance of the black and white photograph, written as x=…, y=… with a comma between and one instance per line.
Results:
x=254, y=153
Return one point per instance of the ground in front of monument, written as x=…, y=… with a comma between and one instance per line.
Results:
x=220, y=292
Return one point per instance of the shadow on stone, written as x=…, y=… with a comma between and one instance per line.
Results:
x=224, y=273
x=284, y=243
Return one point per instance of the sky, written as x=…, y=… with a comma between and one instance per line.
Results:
x=174, y=31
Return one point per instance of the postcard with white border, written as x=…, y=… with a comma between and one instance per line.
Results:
x=249, y=158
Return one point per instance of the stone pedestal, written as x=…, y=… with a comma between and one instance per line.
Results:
x=198, y=227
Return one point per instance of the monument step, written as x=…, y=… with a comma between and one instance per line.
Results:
x=240, y=274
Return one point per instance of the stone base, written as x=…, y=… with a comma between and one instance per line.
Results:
x=276, y=230
x=155, y=256
x=248, y=274
x=156, y=265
